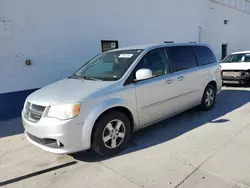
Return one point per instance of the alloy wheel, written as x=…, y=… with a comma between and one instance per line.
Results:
x=209, y=97
x=113, y=134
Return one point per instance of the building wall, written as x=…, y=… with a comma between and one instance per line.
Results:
x=235, y=33
x=59, y=36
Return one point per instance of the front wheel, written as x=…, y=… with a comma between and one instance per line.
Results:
x=209, y=97
x=111, y=133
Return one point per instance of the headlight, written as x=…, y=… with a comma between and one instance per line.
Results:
x=65, y=111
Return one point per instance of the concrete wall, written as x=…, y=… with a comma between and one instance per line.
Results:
x=236, y=33
x=59, y=36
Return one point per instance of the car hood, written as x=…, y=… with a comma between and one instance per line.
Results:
x=66, y=91
x=235, y=66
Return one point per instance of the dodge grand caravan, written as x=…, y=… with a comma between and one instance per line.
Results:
x=118, y=92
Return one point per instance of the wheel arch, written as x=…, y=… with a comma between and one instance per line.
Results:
x=213, y=83
x=99, y=111
x=122, y=109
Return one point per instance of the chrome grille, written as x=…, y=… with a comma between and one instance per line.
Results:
x=33, y=112
x=231, y=73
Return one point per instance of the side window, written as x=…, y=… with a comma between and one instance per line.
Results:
x=156, y=61
x=181, y=58
x=204, y=55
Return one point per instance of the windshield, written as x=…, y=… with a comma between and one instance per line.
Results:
x=108, y=66
x=234, y=58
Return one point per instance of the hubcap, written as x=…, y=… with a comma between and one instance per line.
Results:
x=113, y=134
x=209, y=97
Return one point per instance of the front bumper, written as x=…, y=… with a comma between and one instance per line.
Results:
x=44, y=132
x=236, y=79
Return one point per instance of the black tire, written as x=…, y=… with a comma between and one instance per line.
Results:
x=204, y=102
x=248, y=83
x=101, y=128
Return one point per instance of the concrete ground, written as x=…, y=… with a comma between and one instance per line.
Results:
x=192, y=150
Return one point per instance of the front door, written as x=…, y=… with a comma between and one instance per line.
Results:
x=153, y=95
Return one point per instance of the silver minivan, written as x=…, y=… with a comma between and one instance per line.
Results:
x=118, y=92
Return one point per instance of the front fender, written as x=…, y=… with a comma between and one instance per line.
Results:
x=95, y=113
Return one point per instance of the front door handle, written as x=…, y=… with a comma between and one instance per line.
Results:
x=170, y=81
x=181, y=78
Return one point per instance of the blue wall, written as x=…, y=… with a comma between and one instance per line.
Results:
x=11, y=104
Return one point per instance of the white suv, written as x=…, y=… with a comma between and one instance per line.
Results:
x=236, y=68
x=119, y=92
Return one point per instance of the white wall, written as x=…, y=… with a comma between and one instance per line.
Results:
x=236, y=33
x=59, y=35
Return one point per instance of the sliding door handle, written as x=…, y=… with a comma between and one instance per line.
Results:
x=170, y=81
x=181, y=78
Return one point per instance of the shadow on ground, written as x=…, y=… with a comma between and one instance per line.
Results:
x=228, y=101
x=11, y=127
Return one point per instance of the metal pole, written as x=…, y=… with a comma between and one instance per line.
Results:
x=200, y=30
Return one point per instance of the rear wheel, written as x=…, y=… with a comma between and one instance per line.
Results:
x=209, y=97
x=111, y=133
x=247, y=84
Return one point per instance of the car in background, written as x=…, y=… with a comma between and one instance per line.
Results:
x=118, y=92
x=236, y=68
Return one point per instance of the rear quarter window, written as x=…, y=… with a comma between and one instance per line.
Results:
x=204, y=55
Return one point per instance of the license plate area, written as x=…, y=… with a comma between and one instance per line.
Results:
x=231, y=82
x=231, y=73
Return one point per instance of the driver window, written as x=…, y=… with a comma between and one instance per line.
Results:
x=156, y=61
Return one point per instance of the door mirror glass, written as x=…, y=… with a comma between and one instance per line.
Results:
x=143, y=74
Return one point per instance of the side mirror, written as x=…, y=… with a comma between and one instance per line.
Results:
x=143, y=74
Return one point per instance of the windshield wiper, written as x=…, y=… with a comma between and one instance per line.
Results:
x=76, y=77
x=85, y=78
x=90, y=78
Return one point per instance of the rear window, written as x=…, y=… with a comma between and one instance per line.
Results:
x=181, y=58
x=204, y=55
